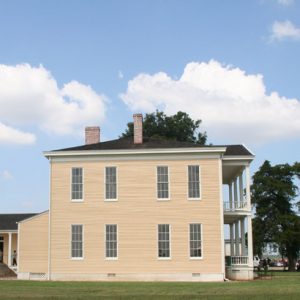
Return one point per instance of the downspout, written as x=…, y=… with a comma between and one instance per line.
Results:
x=49, y=221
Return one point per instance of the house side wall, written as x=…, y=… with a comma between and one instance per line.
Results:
x=137, y=214
x=33, y=247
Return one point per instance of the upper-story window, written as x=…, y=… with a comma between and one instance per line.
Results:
x=195, y=241
x=77, y=184
x=162, y=182
x=111, y=183
x=194, y=182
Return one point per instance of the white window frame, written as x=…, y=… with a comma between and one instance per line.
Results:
x=71, y=185
x=189, y=245
x=111, y=258
x=117, y=184
x=169, y=185
x=170, y=244
x=200, y=180
x=77, y=258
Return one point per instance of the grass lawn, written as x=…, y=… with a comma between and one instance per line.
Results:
x=279, y=287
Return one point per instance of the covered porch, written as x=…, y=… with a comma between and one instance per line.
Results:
x=237, y=219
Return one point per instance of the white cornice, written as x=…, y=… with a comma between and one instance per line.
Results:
x=203, y=150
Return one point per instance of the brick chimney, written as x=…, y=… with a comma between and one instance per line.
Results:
x=92, y=135
x=138, y=128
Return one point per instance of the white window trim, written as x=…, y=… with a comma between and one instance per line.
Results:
x=77, y=200
x=77, y=258
x=189, y=246
x=117, y=184
x=170, y=242
x=200, y=185
x=169, y=184
x=111, y=258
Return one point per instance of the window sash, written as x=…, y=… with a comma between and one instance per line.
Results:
x=195, y=240
x=77, y=184
x=162, y=182
x=110, y=183
x=111, y=241
x=77, y=241
x=164, y=241
x=194, y=182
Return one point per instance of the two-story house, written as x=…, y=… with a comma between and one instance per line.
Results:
x=141, y=209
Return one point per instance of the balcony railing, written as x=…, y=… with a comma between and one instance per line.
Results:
x=235, y=205
x=239, y=260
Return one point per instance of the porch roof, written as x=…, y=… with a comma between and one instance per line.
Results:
x=9, y=221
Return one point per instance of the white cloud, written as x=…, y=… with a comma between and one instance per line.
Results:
x=6, y=175
x=10, y=135
x=285, y=2
x=30, y=97
x=233, y=105
x=284, y=30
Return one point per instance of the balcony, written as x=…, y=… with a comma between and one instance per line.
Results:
x=234, y=206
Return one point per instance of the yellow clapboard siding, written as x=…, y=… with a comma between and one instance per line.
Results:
x=137, y=213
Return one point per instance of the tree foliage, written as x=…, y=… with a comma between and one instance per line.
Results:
x=178, y=127
x=273, y=194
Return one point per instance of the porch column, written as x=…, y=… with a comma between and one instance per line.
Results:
x=9, y=249
x=230, y=196
x=241, y=190
x=243, y=237
x=231, y=240
x=237, y=239
x=235, y=193
x=250, y=242
x=248, y=197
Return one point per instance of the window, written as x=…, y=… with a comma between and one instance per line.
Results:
x=195, y=241
x=111, y=183
x=163, y=240
x=162, y=182
x=77, y=241
x=77, y=184
x=194, y=182
x=111, y=241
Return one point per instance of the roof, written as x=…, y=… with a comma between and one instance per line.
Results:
x=156, y=143
x=9, y=221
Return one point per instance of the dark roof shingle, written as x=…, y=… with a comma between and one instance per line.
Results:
x=9, y=221
x=155, y=143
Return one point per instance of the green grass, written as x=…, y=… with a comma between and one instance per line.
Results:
x=277, y=288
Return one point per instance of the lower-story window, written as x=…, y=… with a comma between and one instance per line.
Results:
x=163, y=240
x=111, y=241
x=77, y=241
x=195, y=240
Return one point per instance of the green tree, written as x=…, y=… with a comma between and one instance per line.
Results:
x=273, y=195
x=178, y=127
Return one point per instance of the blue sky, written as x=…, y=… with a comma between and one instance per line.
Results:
x=67, y=64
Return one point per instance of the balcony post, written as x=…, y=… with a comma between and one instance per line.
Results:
x=237, y=239
x=231, y=240
x=248, y=196
x=250, y=242
x=235, y=193
x=243, y=237
x=241, y=185
x=230, y=196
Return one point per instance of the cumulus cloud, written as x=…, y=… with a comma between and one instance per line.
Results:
x=233, y=105
x=120, y=74
x=30, y=97
x=284, y=30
